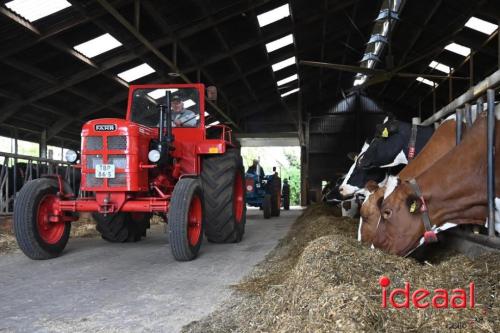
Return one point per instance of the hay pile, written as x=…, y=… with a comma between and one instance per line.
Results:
x=319, y=279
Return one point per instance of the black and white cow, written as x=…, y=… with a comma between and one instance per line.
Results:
x=391, y=145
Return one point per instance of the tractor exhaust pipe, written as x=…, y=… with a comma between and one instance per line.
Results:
x=165, y=139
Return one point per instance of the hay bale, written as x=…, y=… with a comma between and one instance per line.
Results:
x=320, y=279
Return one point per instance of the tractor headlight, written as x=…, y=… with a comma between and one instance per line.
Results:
x=154, y=155
x=71, y=156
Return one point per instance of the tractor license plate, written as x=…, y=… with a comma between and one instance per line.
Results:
x=105, y=171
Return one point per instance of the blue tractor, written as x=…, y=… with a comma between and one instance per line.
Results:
x=264, y=191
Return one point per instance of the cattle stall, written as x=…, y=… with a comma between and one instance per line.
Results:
x=16, y=170
x=483, y=97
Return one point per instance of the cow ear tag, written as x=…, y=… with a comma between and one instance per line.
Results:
x=413, y=207
x=385, y=133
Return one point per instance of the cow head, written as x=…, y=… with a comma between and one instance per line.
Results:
x=400, y=227
x=390, y=139
x=370, y=212
x=356, y=177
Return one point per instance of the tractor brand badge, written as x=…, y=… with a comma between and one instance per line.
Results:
x=105, y=127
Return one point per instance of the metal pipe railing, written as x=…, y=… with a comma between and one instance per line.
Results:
x=488, y=87
x=478, y=90
x=491, y=162
x=458, y=132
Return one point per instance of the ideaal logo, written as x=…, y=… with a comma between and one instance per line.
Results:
x=421, y=298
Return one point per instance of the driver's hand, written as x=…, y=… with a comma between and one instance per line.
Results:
x=178, y=123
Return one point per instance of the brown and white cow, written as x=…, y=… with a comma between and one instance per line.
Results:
x=453, y=190
x=441, y=142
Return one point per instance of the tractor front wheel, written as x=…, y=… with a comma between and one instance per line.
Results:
x=185, y=219
x=40, y=228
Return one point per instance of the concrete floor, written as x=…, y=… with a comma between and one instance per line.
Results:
x=98, y=286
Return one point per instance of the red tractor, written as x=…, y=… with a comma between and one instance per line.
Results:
x=159, y=160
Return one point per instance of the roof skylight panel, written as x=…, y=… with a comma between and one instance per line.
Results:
x=282, y=64
x=279, y=43
x=189, y=103
x=288, y=79
x=33, y=10
x=458, y=49
x=158, y=93
x=273, y=15
x=440, y=67
x=426, y=81
x=481, y=25
x=290, y=92
x=136, y=72
x=98, y=45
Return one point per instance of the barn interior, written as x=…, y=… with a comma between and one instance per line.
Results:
x=49, y=88
x=319, y=75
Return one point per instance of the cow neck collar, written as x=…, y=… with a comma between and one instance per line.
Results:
x=412, y=142
x=429, y=234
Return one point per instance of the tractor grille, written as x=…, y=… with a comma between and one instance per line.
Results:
x=250, y=183
x=117, y=142
x=119, y=180
x=93, y=160
x=93, y=143
x=92, y=181
x=119, y=161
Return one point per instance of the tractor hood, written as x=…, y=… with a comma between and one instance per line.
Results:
x=108, y=126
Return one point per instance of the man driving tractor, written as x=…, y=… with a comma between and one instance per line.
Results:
x=255, y=168
x=182, y=117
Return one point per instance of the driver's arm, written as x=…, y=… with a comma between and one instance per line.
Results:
x=188, y=119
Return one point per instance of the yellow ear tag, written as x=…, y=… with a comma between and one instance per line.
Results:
x=413, y=207
x=385, y=133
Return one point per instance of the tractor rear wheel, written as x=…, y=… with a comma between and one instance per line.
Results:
x=122, y=227
x=185, y=219
x=266, y=206
x=37, y=231
x=223, y=180
x=276, y=196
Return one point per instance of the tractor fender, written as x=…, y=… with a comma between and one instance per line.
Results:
x=64, y=187
x=211, y=147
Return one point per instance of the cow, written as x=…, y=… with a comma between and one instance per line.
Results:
x=391, y=145
x=441, y=142
x=391, y=148
x=452, y=190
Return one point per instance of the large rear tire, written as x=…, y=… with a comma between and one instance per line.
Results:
x=223, y=180
x=185, y=219
x=37, y=236
x=122, y=227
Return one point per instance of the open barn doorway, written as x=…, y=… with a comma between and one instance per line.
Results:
x=286, y=160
